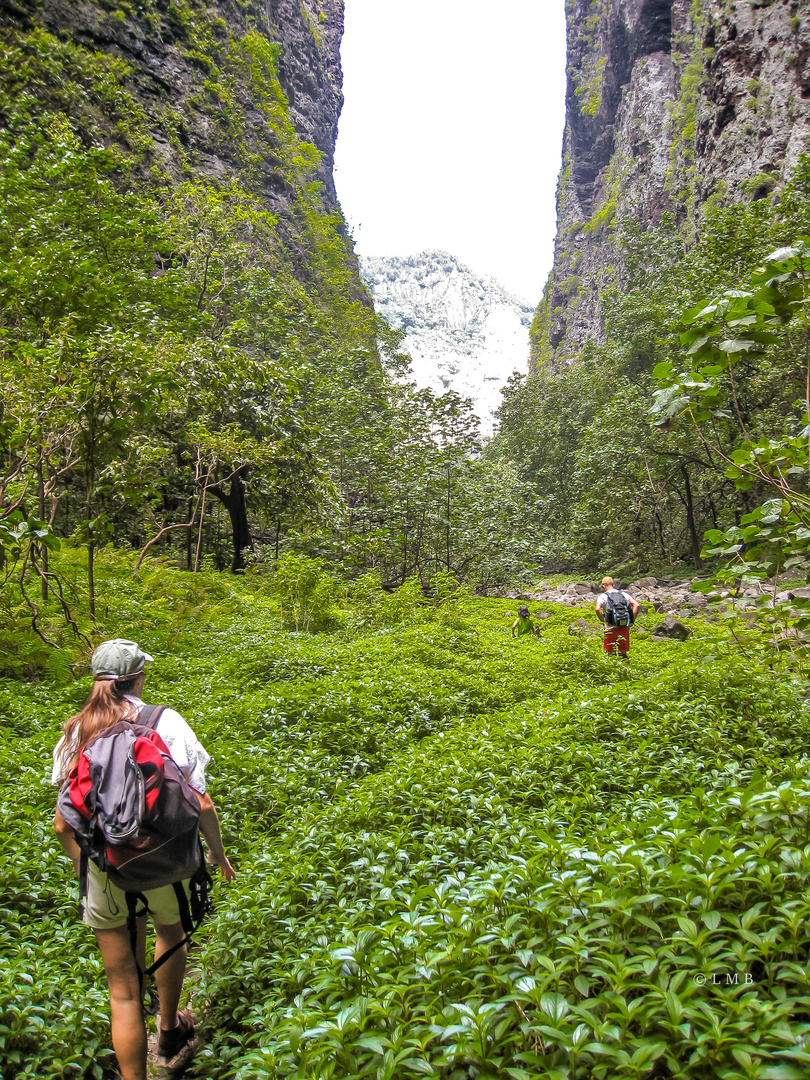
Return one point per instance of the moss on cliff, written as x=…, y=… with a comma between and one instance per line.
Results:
x=213, y=111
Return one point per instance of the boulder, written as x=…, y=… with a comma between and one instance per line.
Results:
x=542, y=615
x=579, y=589
x=697, y=600
x=803, y=594
x=643, y=583
x=671, y=628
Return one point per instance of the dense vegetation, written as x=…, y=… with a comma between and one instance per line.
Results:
x=191, y=374
x=191, y=365
x=612, y=484
x=459, y=854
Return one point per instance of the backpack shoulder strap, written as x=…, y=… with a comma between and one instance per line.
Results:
x=149, y=715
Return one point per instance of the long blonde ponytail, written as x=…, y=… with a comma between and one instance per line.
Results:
x=105, y=707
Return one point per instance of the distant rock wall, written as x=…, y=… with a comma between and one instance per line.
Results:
x=464, y=332
x=668, y=102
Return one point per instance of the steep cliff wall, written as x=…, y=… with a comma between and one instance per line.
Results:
x=219, y=90
x=669, y=103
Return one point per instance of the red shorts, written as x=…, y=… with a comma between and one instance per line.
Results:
x=617, y=635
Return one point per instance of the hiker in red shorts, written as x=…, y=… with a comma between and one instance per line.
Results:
x=617, y=610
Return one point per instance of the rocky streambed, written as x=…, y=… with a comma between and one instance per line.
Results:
x=674, y=598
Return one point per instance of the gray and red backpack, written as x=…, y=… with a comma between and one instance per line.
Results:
x=133, y=813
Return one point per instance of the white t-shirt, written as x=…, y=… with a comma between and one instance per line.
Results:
x=187, y=752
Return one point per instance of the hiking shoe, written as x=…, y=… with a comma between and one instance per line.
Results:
x=172, y=1042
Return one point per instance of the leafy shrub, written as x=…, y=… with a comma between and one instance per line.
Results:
x=460, y=855
x=304, y=591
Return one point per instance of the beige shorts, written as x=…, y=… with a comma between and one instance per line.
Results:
x=105, y=906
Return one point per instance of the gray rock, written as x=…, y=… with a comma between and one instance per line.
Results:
x=671, y=628
x=697, y=600
x=542, y=615
x=580, y=589
x=643, y=583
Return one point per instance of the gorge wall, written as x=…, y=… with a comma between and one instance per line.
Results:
x=670, y=104
x=212, y=90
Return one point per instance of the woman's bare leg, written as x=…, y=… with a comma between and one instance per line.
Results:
x=126, y=1014
x=169, y=977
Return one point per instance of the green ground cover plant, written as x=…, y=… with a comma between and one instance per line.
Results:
x=460, y=855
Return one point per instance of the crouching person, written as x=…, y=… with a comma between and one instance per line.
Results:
x=132, y=804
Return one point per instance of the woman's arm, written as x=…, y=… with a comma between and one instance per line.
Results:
x=209, y=827
x=67, y=840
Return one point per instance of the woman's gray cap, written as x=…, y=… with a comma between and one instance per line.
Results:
x=118, y=659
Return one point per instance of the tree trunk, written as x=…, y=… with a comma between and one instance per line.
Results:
x=43, y=549
x=91, y=553
x=447, y=525
x=234, y=502
x=91, y=578
x=690, y=518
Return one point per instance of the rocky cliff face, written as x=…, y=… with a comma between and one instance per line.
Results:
x=464, y=332
x=212, y=89
x=669, y=102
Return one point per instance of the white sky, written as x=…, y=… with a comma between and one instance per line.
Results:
x=451, y=131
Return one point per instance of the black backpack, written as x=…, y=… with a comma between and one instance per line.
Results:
x=617, y=609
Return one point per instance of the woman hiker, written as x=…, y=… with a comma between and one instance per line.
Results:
x=118, y=668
